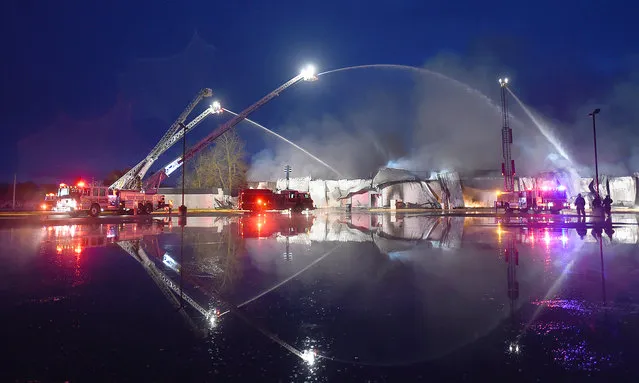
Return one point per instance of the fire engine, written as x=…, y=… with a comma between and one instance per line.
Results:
x=538, y=199
x=94, y=199
x=265, y=199
x=548, y=198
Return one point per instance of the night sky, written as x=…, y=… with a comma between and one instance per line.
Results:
x=88, y=88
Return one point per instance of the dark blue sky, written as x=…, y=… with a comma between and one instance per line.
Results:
x=79, y=96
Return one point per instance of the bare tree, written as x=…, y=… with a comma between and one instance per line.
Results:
x=223, y=165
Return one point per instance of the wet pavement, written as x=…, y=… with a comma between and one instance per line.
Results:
x=321, y=297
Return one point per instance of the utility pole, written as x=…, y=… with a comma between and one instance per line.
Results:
x=594, y=136
x=15, y=178
x=287, y=169
x=182, y=208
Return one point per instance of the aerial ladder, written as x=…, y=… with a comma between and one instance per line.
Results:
x=152, y=184
x=131, y=180
x=508, y=198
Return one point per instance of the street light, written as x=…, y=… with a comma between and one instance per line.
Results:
x=594, y=135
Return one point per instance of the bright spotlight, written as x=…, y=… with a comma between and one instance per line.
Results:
x=503, y=81
x=308, y=73
x=216, y=107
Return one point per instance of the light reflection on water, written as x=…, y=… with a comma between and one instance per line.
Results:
x=374, y=289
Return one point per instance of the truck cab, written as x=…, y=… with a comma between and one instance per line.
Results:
x=296, y=200
x=257, y=200
x=551, y=199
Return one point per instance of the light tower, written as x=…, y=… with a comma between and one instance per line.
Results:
x=508, y=164
x=287, y=169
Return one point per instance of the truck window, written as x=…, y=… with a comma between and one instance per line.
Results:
x=102, y=192
x=95, y=192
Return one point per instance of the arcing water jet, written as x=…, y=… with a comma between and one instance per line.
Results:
x=543, y=129
x=466, y=87
x=289, y=142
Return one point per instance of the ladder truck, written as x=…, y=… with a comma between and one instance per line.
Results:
x=508, y=199
x=152, y=184
x=542, y=196
x=124, y=195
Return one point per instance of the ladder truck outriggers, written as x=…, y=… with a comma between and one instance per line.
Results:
x=543, y=195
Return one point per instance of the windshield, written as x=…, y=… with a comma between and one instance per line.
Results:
x=70, y=191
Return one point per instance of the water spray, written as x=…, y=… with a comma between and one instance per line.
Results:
x=420, y=70
x=552, y=140
x=289, y=142
x=543, y=129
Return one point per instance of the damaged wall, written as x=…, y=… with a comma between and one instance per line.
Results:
x=397, y=184
x=411, y=193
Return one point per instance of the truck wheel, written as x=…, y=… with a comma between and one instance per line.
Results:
x=94, y=210
x=148, y=207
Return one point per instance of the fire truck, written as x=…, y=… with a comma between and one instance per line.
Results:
x=94, y=199
x=546, y=194
x=538, y=199
x=265, y=199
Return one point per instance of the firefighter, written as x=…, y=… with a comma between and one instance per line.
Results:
x=580, y=203
x=596, y=202
x=607, y=205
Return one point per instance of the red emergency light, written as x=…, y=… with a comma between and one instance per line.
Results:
x=81, y=184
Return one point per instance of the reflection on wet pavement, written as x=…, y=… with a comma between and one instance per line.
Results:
x=325, y=296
